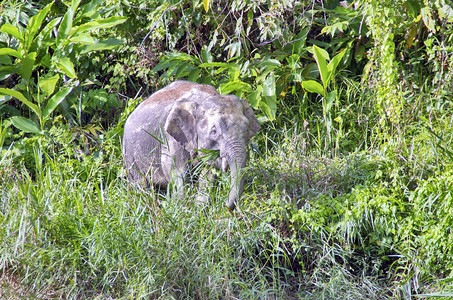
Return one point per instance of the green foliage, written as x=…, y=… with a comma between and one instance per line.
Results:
x=348, y=187
x=51, y=59
x=433, y=221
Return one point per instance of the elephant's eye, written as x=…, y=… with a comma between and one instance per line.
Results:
x=213, y=132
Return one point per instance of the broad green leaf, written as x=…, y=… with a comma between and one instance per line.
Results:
x=333, y=64
x=313, y=87
x=34, y=23
x=13, y=93
x=65, y=65
x=254, y=98
x=26, y=125
x=27, y=65
x=322, y=65
x=65, y=26
x=47, y=84
x=44, y=40
x=54, y=101
x=82, y=38
x=104, y=23
x=9, y=51
x=323, y=53
x=269, y=108
x=111, y=21
x=18, y=95
x=183, y=56
x=13, y=31
x=234, y=86
x=269, y=98
x=102, y=45
x=206, y=5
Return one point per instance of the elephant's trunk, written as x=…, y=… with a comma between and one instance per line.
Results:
x=237, y=158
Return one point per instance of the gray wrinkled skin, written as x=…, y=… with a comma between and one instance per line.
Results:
x=163, y=133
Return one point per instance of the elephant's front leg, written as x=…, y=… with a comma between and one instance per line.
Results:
x=175, y=167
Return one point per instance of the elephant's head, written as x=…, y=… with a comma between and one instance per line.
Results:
x=218, y=122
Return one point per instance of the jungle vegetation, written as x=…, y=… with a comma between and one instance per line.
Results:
x=349, y=191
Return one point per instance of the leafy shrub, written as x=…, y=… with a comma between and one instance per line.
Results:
x=44, y=63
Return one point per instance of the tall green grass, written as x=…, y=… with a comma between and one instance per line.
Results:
x=316, y=221
x=83, y=236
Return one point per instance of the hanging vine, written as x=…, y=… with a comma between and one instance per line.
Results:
x=383, y=18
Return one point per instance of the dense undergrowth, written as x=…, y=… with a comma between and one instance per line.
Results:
x=349, y=184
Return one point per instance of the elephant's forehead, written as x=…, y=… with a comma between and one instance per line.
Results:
x=222, y=105
x=226, y=116
x=226, y=113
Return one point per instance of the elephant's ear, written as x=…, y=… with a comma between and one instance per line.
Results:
x=254, y=126
x=180, y=123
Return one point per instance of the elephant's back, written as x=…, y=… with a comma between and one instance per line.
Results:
x=178, y=90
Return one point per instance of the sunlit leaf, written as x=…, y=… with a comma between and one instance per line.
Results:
x=102, y=45
x=333, y=64
x=47, y=84
x=65, y=65
x=206, y=5
x=234, y=86
x=13, y=31
x=9, y=51
x=83, y=38
x=34, y=23
x=65, y=26
x=313, y=87
x=254, y=97
x=27, y=65
x=104, y=23
x=269, y=98
x=322, y=65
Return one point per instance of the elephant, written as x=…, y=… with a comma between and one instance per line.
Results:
x=164, y=134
